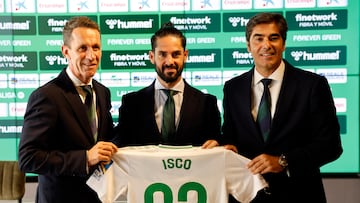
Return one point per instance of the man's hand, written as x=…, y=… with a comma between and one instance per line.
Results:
x=101, y=152
x=265, y=163
x=231, y=147
x=210, y=144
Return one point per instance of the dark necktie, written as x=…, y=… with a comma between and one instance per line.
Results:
x=264, y=114
x=90, y=107
x=168, y=128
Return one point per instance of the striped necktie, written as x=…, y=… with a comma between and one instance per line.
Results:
x=90, y=108
x=264, y=114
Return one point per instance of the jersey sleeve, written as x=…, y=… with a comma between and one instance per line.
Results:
x=242, y=184
x=109, y=182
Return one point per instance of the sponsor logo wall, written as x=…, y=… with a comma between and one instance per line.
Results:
x=323, y=38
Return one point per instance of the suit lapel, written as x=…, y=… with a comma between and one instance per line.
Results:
x=101, y=106
x=74, y=102
x=148, y=106
x=288, y=89
x=187, y=107
x=245, y=101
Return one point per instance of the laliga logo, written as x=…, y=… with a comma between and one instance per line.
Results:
x=111, y=23
x=296, y=55
x=234, y=21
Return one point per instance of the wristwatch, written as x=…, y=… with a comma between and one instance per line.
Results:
x=283, y=161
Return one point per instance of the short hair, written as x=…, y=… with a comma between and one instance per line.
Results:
x=267, y=18
x=165, y=30
x=76, y=22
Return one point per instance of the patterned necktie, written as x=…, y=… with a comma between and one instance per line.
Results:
x=168, y=128
x=264, y=114
x=90, y=107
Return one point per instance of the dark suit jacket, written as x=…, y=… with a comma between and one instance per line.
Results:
x=305, y=128
x=55, y=137
x=199, y=119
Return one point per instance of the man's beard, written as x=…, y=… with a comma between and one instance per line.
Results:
x=169, y=78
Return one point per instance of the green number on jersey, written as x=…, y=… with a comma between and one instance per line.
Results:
x=182, y=194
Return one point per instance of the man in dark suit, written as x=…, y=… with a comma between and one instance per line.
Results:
x=197, y=118
x=304, y=131
x=57, y=141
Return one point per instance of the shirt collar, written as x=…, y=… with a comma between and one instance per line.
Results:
x=277, y=75
x=75, y=80
x=179, y=87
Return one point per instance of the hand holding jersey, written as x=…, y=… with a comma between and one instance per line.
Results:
x=157, y=174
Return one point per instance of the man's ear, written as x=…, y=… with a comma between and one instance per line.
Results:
x=186, y=54
x=65, y=51
x=152, y=56
x=248, y=47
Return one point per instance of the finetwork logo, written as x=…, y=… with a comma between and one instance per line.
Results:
x=56, y=25
x=129, y=60
x=191, y=21
x=311, y=20
x=8, y=61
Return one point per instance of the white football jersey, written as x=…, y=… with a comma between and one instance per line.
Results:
x=165, y=174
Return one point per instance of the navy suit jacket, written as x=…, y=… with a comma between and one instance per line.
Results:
x=55, y=136
x=199, y=119
x=304, y=127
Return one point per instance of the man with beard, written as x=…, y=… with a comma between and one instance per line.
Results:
x=197, y=119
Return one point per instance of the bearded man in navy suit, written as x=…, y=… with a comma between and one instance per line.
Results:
x=197, y=118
